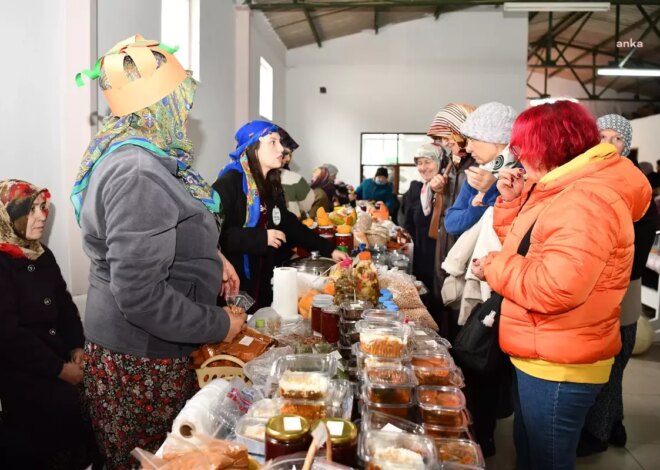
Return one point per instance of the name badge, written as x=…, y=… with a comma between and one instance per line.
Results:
x=277, y=216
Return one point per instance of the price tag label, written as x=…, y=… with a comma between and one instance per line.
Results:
x=246, y=341
x=389, y=427
x=292, y=423
x=420, y=333
x=336, y=428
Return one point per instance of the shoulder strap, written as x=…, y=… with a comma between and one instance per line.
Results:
x=523, y=248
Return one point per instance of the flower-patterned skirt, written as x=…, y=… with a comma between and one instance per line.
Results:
x=133, y=400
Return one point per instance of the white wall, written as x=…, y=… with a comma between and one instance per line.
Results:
x=265, y=43
x=558, y=86
x=398, y=80
x=645, y=138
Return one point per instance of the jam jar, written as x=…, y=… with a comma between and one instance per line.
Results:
x=318, y=302
x=343, y=439
x=328, y=232
x=330, y=323
x=287, y=434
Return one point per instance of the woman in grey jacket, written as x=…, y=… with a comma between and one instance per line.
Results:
x=150, y=227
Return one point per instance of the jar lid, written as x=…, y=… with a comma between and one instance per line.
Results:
x=261, y=323
x=332, y=309
x=287, y=427
x=341, y=431
x=321, y=300
x=364, y=255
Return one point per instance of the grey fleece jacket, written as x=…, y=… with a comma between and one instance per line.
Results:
x=155, y=271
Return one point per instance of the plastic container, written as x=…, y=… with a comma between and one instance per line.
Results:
x=297, y=460
x=311, y=410
x=351, y=310
x=432, y=368
x=348, y=332
x=251, y=432
x=386, y=450
x=448, y=432
x=265, y=409
x=377, y=421
x=400, y=411
x=318, y=302
x=364, y=360
x=392, y=385
x=459, y=451
x=441, y=406
x=285, y=435
x=343, y=439
x=305, y=376
x=344, y=346
x=382, y=338
x=383, y=314
x=340, y=403
x=330, y=323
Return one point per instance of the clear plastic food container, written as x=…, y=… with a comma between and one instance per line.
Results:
x=312, y=410
x=432, y=368
x=459, y=451
x=351, y=310
x=251, y=432
x=377, y=421
x=392, y=384
x=266, y=408
x=348, y=332
x=341, y=399
x=386, y=450
x=384, y=338
x=442, y=406
x=368, y=360
x=383, y=314
x=305, y=376
x=406, y=411
x=448, y=432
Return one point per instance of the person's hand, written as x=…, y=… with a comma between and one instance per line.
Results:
x=231, y=283
x=71, y=373
x=338, y=255
x=438, y=183
x=510, y=183
x=478, y=200
x=480, y=179
x=77, y=356
x=478, y=269
x=276, y=238
x=237, y=318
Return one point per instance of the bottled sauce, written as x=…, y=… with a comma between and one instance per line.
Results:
x=344, y=285
x=366, y=279
x=285, y=435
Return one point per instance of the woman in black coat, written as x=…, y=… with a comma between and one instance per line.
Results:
x=258, y=232
x=41, y=340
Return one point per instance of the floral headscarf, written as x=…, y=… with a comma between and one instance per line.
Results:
x=321, y=179
x=16, y=199
x=160, y=128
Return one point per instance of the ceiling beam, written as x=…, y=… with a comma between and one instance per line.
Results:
x=649, y=19
x=301, y=4
x=376, y=20
x=312, y=26
x=636, y=100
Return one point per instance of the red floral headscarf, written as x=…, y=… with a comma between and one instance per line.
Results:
x=16, y=199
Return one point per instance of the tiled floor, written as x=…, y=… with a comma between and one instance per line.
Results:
x=641, y=396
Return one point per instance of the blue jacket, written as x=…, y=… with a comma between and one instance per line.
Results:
x=463, y=215
x=369, y=190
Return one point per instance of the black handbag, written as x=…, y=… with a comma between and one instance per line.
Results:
x=476, y=346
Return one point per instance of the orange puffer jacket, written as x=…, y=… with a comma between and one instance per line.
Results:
x=561, y=301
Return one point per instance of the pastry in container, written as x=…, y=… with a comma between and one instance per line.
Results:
x=385, y=450
x=441, y=406
x=384, y=338
x=265, y=409
x=305, y=376
x=378, y=421
x=251, y=432
x=432, y=368
x=389, y=384
x=459, y=451
x=312, y=410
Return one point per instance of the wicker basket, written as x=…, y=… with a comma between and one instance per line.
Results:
x=205, y=374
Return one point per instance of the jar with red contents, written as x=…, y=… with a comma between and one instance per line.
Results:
x=327, y=232
x=343, y=439
x=330, y=323
x=318, y=302
x=344, y=242
x=286, y=435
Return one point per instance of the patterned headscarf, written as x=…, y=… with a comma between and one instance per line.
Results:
x=16, y=199
x=448, y=121
x=160, y=128
x=620, y=124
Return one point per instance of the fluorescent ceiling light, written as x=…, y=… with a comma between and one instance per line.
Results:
x=551, y=100
x=630, y=72
x=556, y=6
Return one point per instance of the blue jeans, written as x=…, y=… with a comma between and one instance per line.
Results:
x=548, y=420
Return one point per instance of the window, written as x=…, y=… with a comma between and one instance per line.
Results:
x=265, y=89
x=180, y=26
x=395, y=152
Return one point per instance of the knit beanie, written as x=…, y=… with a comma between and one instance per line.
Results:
x=382, y=171
x=448, y=121
x=331, y=169
x=490, y=122
x=430, y=151
x=620, y=124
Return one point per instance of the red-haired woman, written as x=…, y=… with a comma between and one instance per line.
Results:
x=560, y=315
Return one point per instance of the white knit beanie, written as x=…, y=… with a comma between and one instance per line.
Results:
x=490, y=122
x=618, y=123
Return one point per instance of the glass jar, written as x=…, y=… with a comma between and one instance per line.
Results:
x=366, y=279
x=330, y=323
x=328, y=232
x=285, y=435
x=344, y=442
x=344, y=242
x=344, y=284
x=318, y=302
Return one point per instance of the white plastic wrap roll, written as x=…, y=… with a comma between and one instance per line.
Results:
x=202, y=413
x=285, y=292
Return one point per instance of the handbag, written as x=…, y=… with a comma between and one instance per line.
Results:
x=476, y=346
x=439, y=206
